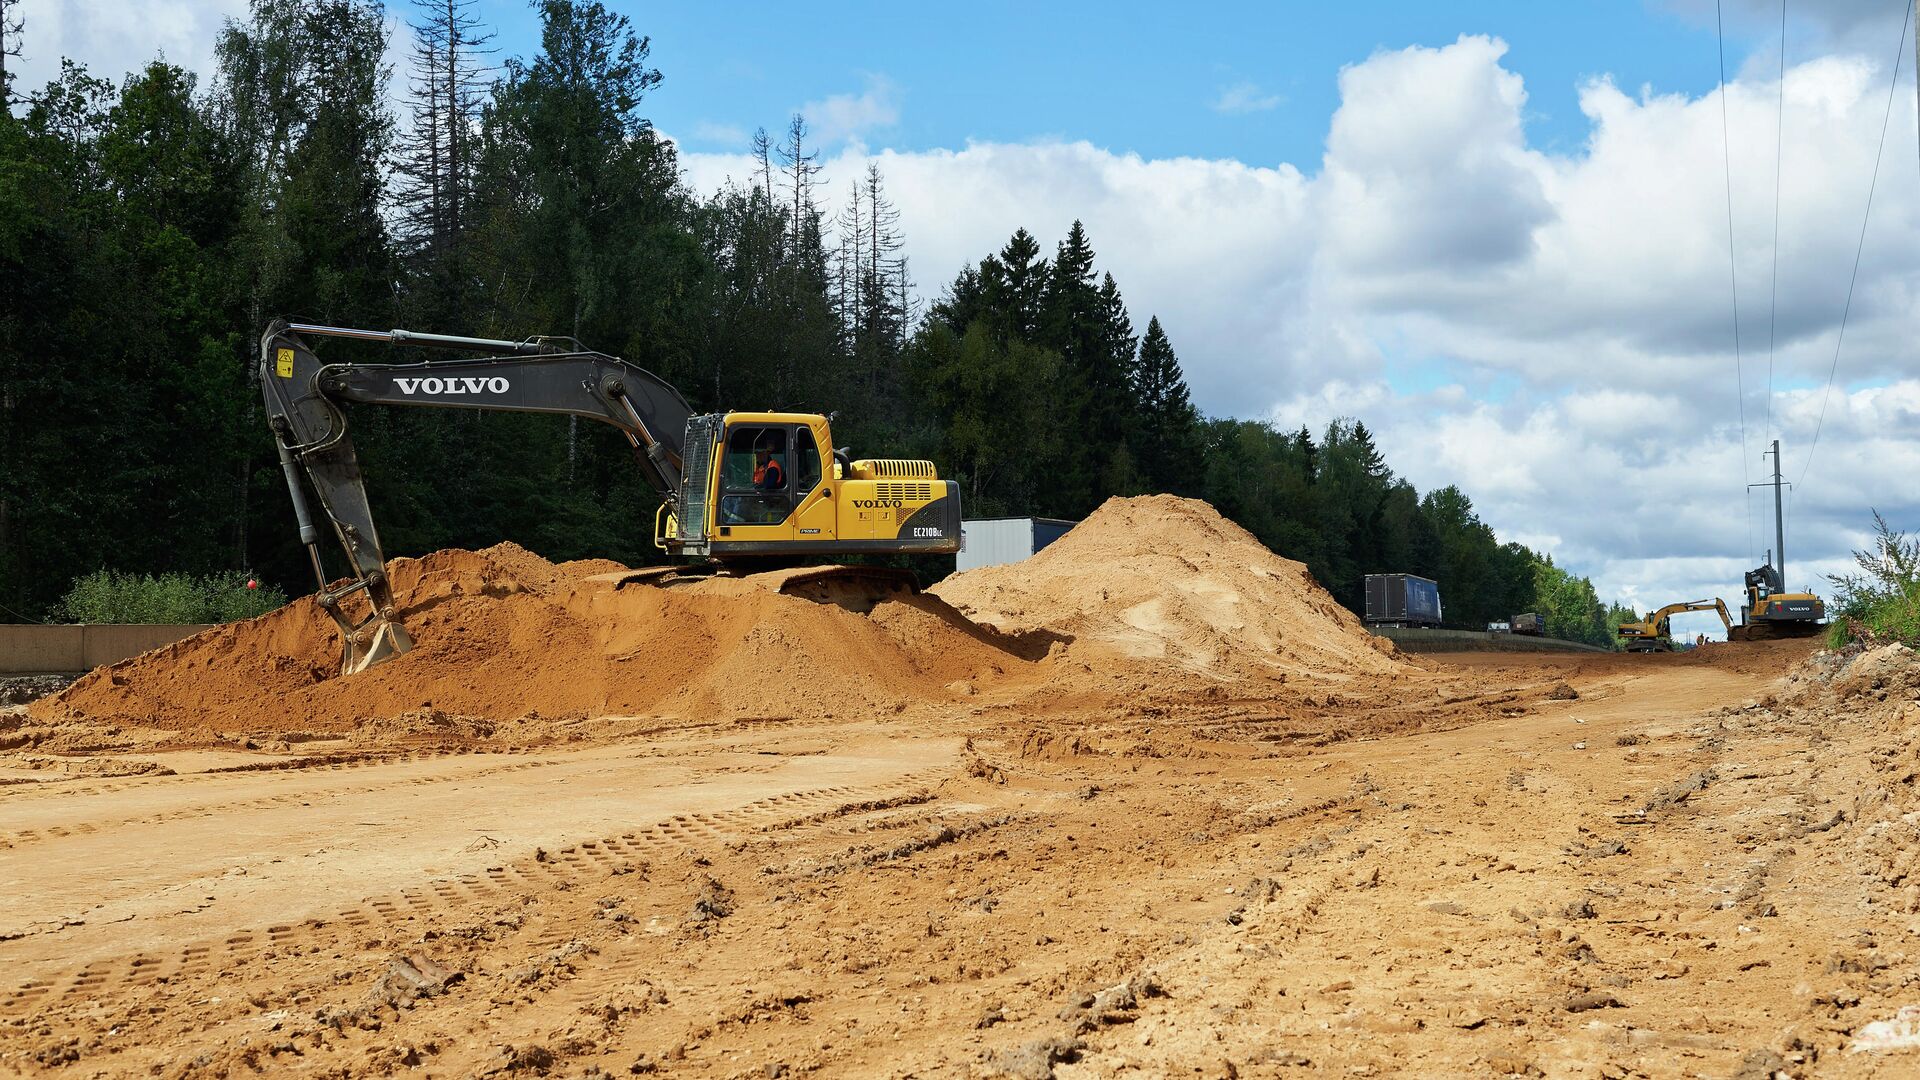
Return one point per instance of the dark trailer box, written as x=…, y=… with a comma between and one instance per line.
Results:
x=1402, y=600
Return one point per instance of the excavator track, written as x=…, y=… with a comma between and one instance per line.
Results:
x=1774, y=631
x=856, y=588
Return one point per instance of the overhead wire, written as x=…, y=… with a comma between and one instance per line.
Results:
x=1899, y=55
x=1779, y=146
x=1733, y=276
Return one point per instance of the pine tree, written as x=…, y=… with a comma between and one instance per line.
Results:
x=12, y=25
x=1169, y=429
x=1308, y=453
x=762, y=153
x=436, y=160
x=1371, y=460
x=850, y=260
x=1098, y=358
x=883, y=278
x=870, y=273
x=1013, y=287
x=800, y=167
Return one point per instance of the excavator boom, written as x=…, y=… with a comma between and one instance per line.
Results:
x=303, y=396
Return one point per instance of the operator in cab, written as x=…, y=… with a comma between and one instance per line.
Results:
x=767, y=473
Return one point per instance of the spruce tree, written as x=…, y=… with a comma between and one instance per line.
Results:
x=435, y=160
x=1169, y=430
x=12, y=24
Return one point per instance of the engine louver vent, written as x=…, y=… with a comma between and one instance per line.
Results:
x=904, y=492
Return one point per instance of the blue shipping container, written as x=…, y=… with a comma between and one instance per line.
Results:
x=1402, y=600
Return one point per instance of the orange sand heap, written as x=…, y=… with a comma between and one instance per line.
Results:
x=502, y=633
x=1164, y=579
x=1152, y=587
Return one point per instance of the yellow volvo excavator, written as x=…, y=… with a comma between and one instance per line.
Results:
x=739, y=491
x=1653, y=634
x=1772, y=612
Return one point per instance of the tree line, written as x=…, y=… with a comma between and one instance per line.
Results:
x=150, y=228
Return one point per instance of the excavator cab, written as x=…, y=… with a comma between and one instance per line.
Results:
x=770, y=484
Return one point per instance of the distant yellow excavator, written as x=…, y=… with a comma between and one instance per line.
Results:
x=1652, y=634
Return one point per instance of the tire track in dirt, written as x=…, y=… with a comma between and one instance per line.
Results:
x=595, y=984
x=302, y=797
x=791, y=813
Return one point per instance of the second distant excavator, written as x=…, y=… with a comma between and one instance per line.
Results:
x=1770, y=610
x=739, y=491
x=1653, y=634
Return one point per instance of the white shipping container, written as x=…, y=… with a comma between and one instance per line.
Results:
x=995, y=541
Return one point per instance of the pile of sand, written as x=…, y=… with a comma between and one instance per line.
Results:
x=503, y=633
x=1169, y=581
x=1155, y=588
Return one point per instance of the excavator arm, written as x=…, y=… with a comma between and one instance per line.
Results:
x=305, y=399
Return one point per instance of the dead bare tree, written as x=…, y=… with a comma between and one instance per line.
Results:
x=436, y=162
x=12, y=25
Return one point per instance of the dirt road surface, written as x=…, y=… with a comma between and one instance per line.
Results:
x=1534, y=865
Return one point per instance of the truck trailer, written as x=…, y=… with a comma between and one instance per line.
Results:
x=1402, y=600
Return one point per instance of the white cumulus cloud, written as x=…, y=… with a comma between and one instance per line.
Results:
x=1574, y=303
x=839, y=118
x=114, y=37
x=1245, y=97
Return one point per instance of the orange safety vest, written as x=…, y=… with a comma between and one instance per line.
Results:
x=769, y=475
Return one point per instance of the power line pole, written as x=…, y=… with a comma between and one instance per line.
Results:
x=1779, y=526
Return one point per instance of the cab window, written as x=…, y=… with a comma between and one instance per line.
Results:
x=806, y=463
x=756, y=480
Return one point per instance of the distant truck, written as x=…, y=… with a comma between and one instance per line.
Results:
x=1528, y=623
x=1402, y=600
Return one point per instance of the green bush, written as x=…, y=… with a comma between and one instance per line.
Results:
x=111, y=596
x=1880, y=603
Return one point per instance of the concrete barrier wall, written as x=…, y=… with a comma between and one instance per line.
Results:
x=70, y=649
x=1421, y=639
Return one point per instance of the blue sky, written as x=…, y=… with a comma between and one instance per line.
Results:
x=1129, y=77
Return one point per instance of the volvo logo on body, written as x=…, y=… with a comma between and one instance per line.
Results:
x=465, y=384
x=877, y=504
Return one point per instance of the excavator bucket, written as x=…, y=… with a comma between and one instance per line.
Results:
x=375, y=642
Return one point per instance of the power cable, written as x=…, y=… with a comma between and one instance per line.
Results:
x=1733, y=259
x=1899, y=55
x=22, y=618
x=1779, y=145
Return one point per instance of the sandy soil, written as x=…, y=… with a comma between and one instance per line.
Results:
x=1153, y=806
x=1673, y=873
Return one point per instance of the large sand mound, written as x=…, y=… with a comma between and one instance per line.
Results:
x=503, y=633
x=1166, y=579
